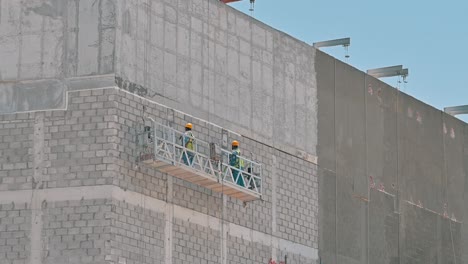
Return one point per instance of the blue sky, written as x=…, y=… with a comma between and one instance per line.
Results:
x=428, y=37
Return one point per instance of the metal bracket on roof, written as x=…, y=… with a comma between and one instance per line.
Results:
x=389, y=72
x=334, y=42
x=345, y=42
x=456, y=110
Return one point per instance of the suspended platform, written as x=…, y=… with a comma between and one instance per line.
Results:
x=206, y=165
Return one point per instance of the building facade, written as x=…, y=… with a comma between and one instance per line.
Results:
x=353, y=171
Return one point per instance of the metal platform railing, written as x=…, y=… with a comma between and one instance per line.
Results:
x=161, y=143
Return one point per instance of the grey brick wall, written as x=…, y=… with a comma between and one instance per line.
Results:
x=76, y=231
x=93, y=143
x=294, y=258
x=16, y=133
x=15, y=228
x=80, y=147
x=297, y=200
x=244, y=251
x=138, y=235
x=195, y=244
x=297, y=186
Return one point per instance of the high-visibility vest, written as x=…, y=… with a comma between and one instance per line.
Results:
x=235, y=160
x=188, y=140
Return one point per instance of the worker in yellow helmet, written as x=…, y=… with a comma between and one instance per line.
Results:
x=188, y=141
x=237, y=164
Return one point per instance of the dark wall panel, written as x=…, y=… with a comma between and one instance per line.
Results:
x=464, y=232
x=383, y=229
x=394, y=173
x=420, y=153
x=381, y=135
x=350, y=164
x=454, y=171
x=326, y=108
x=350, y=127
x=418, y=236
x=327, y=157
x=327, y=216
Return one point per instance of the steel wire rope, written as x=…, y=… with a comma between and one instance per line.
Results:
x=222, y=216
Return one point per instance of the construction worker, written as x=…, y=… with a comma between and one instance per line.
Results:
x=236, y=163
x=189, y=144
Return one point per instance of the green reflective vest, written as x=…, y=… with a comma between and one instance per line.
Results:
x=188, y=140
x=235, y=160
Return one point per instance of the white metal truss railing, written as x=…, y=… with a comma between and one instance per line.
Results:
x=163, y=143
x=249, y=175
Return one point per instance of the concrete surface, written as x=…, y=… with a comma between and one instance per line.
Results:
x=392, y=173
x=205, y=58
x=201, y=57
x=55, y=39
x=45, y=45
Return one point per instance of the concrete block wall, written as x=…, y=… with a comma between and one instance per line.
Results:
x=295, y=188
x=79, y=148
x=15, y=149
x=138, y=234
x=240, y=251
x=75, y=231
x=88, y=202
x=193, y=243
x=14, y=232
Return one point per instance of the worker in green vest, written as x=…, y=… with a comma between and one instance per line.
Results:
x=237, y=164
x=189, y=144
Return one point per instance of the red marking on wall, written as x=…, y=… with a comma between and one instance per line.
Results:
x=419, y=118
x=379, y=93
x=371, y=182
x=381, y=187
x=452, y=133
x=370, y=90
x=453, y=218
x=445, y=129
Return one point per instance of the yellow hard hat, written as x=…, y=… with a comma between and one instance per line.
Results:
x=189, y=125
x=235, y=143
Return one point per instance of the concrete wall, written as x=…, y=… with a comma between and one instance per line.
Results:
x=72, y=193
x=49, y=46
x=392, y=173
x=209, y=60
x=199, y=56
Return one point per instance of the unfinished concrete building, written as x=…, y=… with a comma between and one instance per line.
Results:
x=340, y=167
